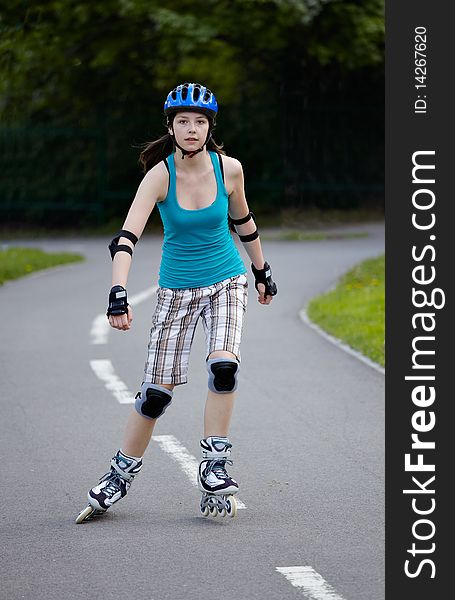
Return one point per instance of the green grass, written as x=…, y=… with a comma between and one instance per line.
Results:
x=308, y=236
x=316, y=218
x=17, y=262
x=354, y=311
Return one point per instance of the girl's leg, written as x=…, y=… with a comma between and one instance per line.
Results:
x=218, y=407
x=222, y=320
x=216, y=485
x=139, y=431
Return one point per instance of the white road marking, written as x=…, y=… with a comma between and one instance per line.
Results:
x=306, y=319
x=313, y=586
x=141, y=296
x=185, y=460
x=100, y=325
x=99, y=330
x=104, y=370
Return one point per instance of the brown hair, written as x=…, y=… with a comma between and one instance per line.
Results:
x=156, y=151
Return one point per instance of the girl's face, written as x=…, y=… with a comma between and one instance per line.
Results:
x=190, y=129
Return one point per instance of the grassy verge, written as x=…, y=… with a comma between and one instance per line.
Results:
x=308, y=236
x=312, y=219
x=17, y=262
x=354, y=311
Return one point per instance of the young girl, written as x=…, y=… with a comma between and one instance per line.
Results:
x=201, y=274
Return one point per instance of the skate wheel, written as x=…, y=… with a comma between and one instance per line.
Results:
x=85, y=514
x=231, y=508
x=223, y=512
x=204, y=510
x=213, y=511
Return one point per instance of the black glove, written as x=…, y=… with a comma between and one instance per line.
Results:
x=118, y=304
x=264, y=276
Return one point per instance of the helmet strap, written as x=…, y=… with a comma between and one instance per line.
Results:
x=191, y=153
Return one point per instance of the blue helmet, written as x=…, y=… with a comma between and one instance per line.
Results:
x=191, y=96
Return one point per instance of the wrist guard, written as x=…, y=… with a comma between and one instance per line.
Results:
x=118, y=304
x=264, y=276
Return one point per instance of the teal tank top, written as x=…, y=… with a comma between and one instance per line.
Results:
x=198, y=249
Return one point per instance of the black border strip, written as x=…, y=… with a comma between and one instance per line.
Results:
x=428, y=139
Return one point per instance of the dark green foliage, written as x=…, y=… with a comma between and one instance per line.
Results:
x=103, y=69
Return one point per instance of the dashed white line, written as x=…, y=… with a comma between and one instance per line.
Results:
x=312, y=585
x=305, y=578
x=141, y=296
x=104, y=370
x=185, y=460
x=99, y=330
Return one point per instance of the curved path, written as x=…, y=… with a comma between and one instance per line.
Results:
x=308, y=434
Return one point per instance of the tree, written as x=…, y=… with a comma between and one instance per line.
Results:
x=71, y=59
x=104, y=67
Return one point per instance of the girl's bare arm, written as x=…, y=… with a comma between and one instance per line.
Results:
x=238, y=208
x=152, y=189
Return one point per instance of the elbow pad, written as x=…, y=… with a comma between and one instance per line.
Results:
x=115, y=247
x=250, y=236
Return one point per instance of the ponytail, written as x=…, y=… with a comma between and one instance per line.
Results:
x=212, y=145
x=155, y=152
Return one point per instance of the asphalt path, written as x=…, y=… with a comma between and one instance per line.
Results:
x=308, y=436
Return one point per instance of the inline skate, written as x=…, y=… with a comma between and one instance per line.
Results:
x=113, y=486
x=217, y=487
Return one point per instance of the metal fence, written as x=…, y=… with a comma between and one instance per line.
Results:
x=51, y=175
x=333, y=156
x=330, y=156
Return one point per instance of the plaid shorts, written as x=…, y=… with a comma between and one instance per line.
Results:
x=221, y=306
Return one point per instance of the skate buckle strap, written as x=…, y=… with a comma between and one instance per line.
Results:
x=122, y=474
x=215, y=455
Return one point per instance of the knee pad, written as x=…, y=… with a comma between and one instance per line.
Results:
x=223, y=375
x=152, y=400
